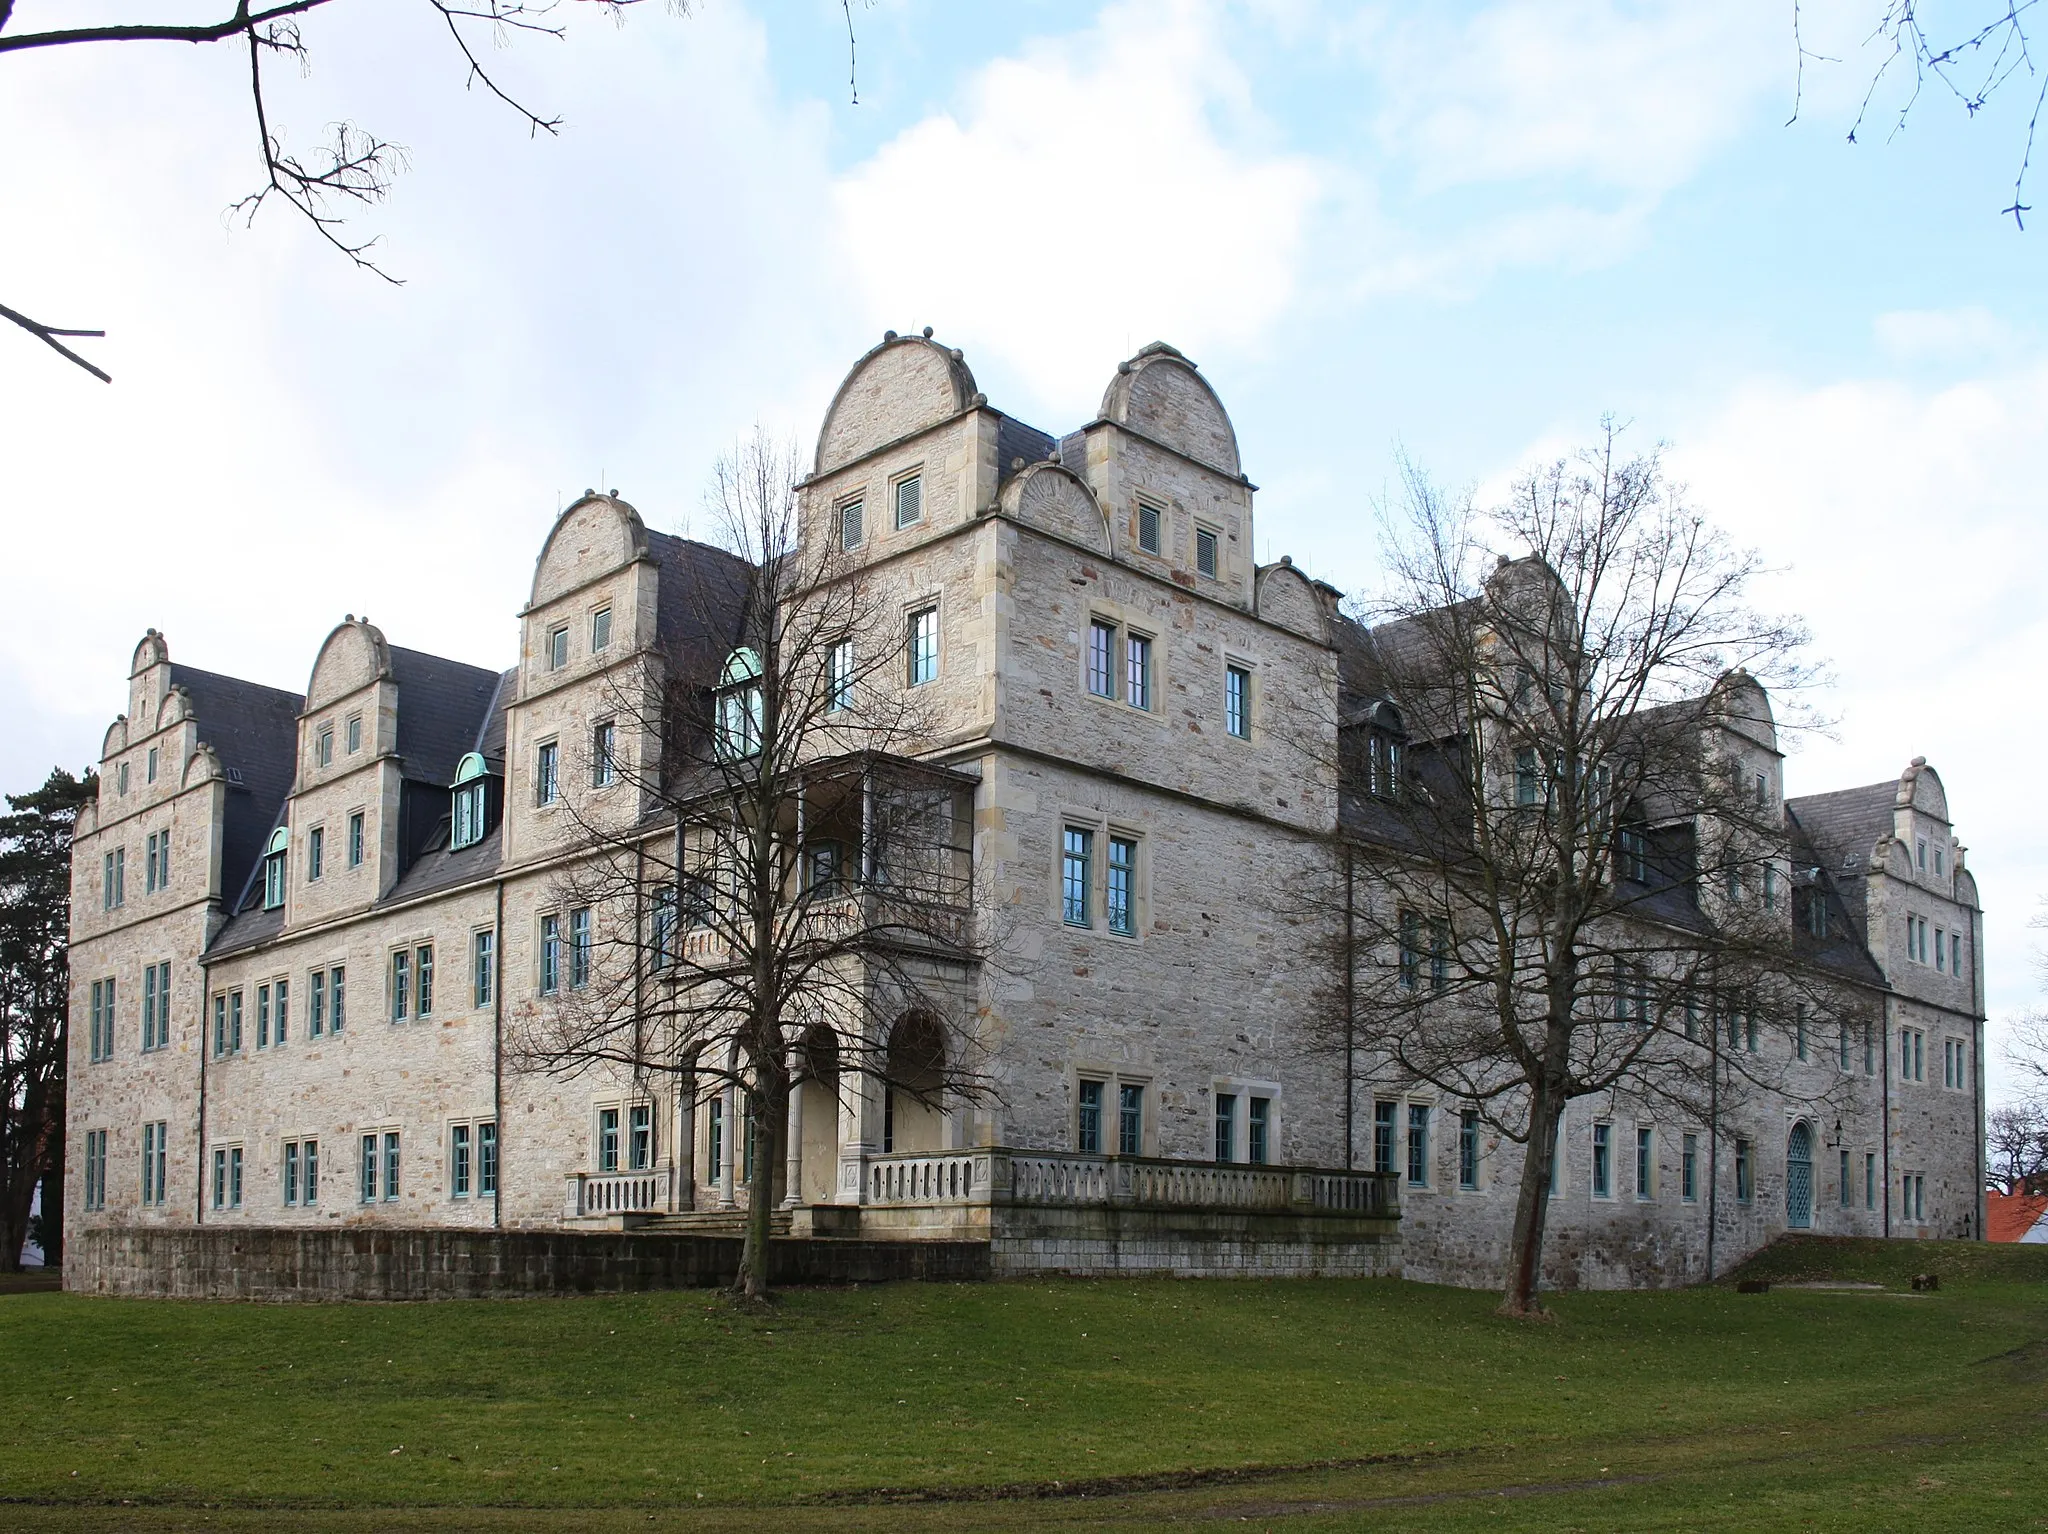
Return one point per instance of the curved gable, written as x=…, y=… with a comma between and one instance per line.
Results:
x=1284, y=596
x=1920, y=788
x=1050, y=497
x=597, y=534
x=353, y=656
x=1160, y=394
x=152, y=651
x=1745, y=707
x=903, y=386
x=116, y=738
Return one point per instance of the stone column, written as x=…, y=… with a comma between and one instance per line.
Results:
x=685, y=1157
x=793, y=1160
x=730, y=1149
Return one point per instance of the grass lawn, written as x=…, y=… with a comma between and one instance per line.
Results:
x=1093, y=1404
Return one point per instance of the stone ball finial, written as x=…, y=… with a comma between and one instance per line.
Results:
x=927, y=332
x=979, y=400
x=1919, y=761
x=1500, y=561
x=888, y=335
x=1016, y=463
x=348, y=617
x=1287, y=560
x=1123, y=367
x=613, y=494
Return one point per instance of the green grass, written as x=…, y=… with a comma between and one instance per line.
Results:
x=1308, y=1404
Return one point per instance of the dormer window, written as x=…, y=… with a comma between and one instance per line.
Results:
x=1385, y=742
x=558, y=647
x=274, y=857
x=470, y=818
x=737, y=727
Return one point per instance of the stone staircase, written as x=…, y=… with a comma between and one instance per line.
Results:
x=713, y=1222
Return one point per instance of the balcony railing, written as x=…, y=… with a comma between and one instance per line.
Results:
x=608, y=1193
x=1074, y=1180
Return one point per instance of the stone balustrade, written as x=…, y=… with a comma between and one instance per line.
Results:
x=1062, y=1179
x=599, y=1194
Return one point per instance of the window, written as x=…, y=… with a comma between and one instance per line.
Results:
x=1763, y=790
x=368, y=1191
x=302, y=1172
x=1088, y=1119
x=487, y=1159
x=1734, y=886
x=1939, y=866
x=1870, y=1180
x=355, y=733
x=1689, y=1169
x=95, y=1169
x=600, y=631
x=1226, y=1125
x=546, y=773
x=316, y=1003
x=1077, y=849
x=639, y=1137
x=337, y=1012
x=482, y=966
x=550, y=954
x=471, y=807
x=579, y=948
x=156, y=1163
x=607, y=1139
x=1383, y=1137
x=1119, y=892
x=1205, y=552
x=1632, y=855
x=149, y=864
x=1955, y=954
x=1799, y=1029
x=234, y=1177
x=1237, y=712
x=234, y=1022
x=220, y=1023
x=149, y=768
x=1528, y=779
x=1842, y=1181
x=100, y=1015
x=1259, y=1130
x=401, y=985
x=839, y=676
x=1102, y=659
x=114, y=879
x=459, y=1161
x=1817, y=913
x=1745, y=1172
x=1842, y=1046
x=1603, y=1161
x=355, y=840
x=1920, y=854
x=156, y=1005
x=323, y=747
x=1631, y=993
x=909, y=500
x=390, y=1164
x=1148, y=528
x=1646, y=1162
x=850, y=529
x=1956, y=1071
x=1418, y=1145
x=316, y=853
x=121, y=780
x=423, y=980
x=1138, y=671
x=1692, y=1013
x=1468, y=1148
x=1770, y=886
x=558, y=647
x=1130, y=1119
x=1913, y=1197
x=1912, y=1055
x=263, y=1017
x=1411, y=950
x=924, y=646
x=273, y=881
x=738, y=722
x=604, y=757
x=1869, y=1050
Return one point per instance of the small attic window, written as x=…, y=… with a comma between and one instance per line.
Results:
x=1205, y=551
x=1148, y=528
x=471, y=816
x=274, y=854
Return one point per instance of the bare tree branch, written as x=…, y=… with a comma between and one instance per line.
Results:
x=48, y=334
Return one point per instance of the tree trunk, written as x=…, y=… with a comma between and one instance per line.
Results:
x=768, y=1108
x=1532, y=1207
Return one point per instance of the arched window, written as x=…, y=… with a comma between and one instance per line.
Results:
x=472, y=803
x=273, y=868
x=738, y=723
x=1385, y=742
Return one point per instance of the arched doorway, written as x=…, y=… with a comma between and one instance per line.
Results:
x=911, y=1117
x=820, y=1092
x=1799, y=1177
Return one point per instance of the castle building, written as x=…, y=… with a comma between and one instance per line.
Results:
x=303, y=924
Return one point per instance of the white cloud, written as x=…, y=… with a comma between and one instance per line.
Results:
x=1970, y=335
x=1094, y=193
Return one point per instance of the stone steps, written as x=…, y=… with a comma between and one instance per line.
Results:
x=714, y=1222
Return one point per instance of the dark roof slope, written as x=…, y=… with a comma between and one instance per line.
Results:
x=1845, y=949
x=442, y=706
x=440, y=869
x=254, y=730
x=490, y=740
x=1846, y=823
x=702, y=601
x=1015, y=440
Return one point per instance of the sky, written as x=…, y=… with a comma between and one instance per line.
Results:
x=1462, y=233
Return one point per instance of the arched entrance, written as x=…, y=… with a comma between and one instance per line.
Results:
x=911, y=1117
x=1799, y=1177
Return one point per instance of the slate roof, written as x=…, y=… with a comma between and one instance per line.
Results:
x=442, y=705
x=1845, y=949
x=1846, y=823
x=703, y=599
x=1016, y=440
x=254, y=730
x=439, y=869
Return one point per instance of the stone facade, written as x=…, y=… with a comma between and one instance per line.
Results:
x=316, y=880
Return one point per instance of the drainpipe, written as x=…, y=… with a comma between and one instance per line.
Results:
x=199, y=1157
x=1977, y=1209
x=1350, y=1011
x=1713, y=1133
x=498, y=1049
x=1886, y=1121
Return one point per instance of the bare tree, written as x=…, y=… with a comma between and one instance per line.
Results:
x=355, y=167
x=1563, y=868
x=791, y=897
x=2016, y=1145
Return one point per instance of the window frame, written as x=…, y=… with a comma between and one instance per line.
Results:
x=1237, y=700
x=852, y=517
x=601, y=629
x=908, y=484
x=921, y=648
x=1212, y=538
x=1157, y=524
x=547, y=773
x=558, y=647
x=1077, y=894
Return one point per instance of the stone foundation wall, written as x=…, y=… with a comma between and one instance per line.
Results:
x=369, y=1264
x=1190, y=1244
